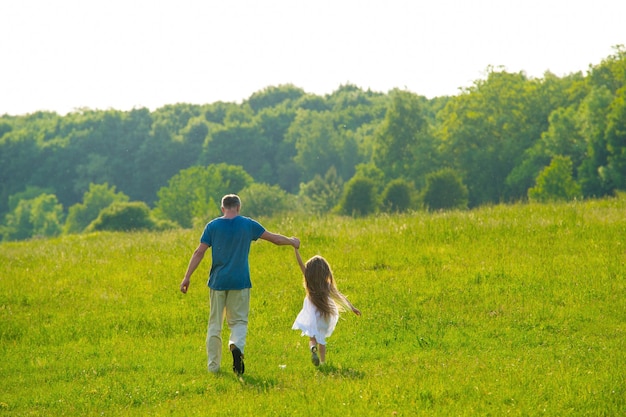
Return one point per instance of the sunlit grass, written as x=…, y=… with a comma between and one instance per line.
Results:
x=502, y=310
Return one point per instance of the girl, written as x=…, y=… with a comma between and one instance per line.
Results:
x=322, y=305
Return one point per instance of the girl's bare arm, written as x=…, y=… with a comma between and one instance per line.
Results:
x=299, y=260
x=348, y=304
x=353, y=308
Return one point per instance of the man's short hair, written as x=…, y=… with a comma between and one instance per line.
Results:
x=231, y=201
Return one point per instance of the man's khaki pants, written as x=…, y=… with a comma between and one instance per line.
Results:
x=236, y=305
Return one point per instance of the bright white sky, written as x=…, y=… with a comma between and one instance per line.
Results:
x=61, y=55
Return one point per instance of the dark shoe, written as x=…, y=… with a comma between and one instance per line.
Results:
x=238, y=366
x=314, y=358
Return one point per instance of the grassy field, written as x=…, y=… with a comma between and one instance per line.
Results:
x=505, y=310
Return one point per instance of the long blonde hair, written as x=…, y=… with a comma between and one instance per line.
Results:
x=321, y=287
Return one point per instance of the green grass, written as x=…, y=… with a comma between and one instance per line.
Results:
x=505, y=310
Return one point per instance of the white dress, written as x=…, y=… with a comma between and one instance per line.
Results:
x=312, y=323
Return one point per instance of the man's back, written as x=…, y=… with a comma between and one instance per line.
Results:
x=230, y=239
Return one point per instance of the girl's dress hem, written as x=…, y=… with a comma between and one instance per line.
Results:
x=312, y=323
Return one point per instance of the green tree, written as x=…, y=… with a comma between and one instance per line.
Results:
x=556, y=182
x=320, y=145
x=397, y=196
x=372, y=172
x=353, y=107
x=359, y=197
x=173, y=118
x=136, y=131
x=5, y=127
x=265, y=200
x=563, y=136
x=611, y=72
x=109, y=148
x=445, y=190
x=592, y=123
x=19, y=153
x=195, y=192
x=273, y=96
x=216, y=112
x=404, y=146
x=46, y=215
x=312, y=102
x=158, y=159
x=29, y=193
x=39, y=216
x=522, y=177
x=242, y=144
x=601, y=121
x=486, y=130
x=320, y=195
x=559, y=98
x=99, y=197
x=18, y=224
x=239, y=115
x=193, y=137
x=616, y=141
x=273, y=123
x=95, y=168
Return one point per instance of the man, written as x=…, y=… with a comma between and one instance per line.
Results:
x=229, y=238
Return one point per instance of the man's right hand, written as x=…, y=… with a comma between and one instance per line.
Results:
x=184, y=286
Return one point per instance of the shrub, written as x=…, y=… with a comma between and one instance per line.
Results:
x=320, y=195
x=359, y=198
x=124, y=217
x=264, y=200
x=397, y=196
x=39, y=216
x=99, y=197
x=195, y=192
x=445, y=190
x=555, y=182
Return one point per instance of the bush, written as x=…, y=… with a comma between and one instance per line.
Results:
x=35, y=217
x=320, y=195
x=359, y=198
x=99, y=197
x=195, y=193
x=264, y=200
x=555, y=182
x=397, y=196
x=445, y=190
x=124, y=217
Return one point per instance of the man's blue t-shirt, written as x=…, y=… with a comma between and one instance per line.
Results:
x=230, y=241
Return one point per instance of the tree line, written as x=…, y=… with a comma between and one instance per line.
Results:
x=507, y=138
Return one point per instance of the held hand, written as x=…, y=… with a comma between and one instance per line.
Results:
x=295, y=242
x=184, y=286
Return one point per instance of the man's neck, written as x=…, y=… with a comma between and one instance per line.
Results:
x=230, y=213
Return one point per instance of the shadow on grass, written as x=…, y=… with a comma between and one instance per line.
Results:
x=259, y=383
x=332, y=370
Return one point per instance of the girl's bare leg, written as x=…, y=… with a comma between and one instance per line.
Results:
x=322, y=349
x=313, y=348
